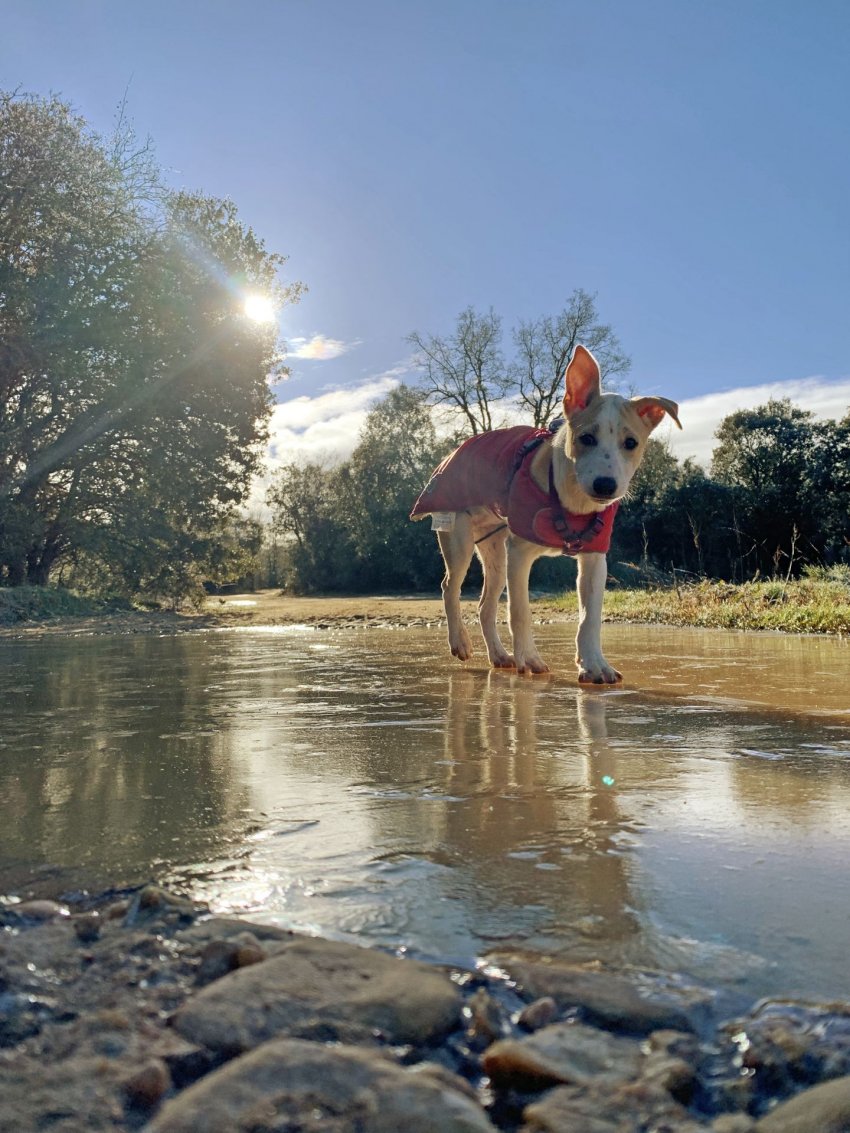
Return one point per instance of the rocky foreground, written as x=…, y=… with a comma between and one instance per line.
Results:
x=142, y=1011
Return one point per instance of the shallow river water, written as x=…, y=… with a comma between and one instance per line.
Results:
x=362, y=784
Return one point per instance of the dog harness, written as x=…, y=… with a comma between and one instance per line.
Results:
x=493, y=470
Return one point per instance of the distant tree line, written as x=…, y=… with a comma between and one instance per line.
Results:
x=777, y=498
x=134, y=393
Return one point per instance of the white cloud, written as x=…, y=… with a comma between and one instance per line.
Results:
x=319, y=348
x=700, y=416
x=327, y=424
x=322, y=429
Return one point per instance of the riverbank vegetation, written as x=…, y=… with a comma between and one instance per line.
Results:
x=819, y=602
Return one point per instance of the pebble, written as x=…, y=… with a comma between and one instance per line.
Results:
x=538, y=1014
x=150, y=1083
x=222, y=956
x=40, y=910
x=87, y=927
x=485, y=1018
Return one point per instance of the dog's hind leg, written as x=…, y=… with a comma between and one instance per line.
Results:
x=491, y=550
x=457, y=547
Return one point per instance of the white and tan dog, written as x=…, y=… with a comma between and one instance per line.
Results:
x=516, y=494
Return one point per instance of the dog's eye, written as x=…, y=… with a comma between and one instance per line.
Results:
x=630, y=443
x=587, y=439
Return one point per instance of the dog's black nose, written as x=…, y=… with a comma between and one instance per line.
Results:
x=604, y=486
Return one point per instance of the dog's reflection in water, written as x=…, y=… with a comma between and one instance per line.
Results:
x=537, y=812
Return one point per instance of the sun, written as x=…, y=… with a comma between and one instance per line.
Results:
x=260, y=308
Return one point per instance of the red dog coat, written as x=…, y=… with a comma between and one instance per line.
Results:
x=494, y=470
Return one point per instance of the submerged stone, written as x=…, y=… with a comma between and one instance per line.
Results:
x=289, y=1084
x=573, y=1109
x=563, y=1052
x=635, y=1003
x=322, y=989
x=786, y=1044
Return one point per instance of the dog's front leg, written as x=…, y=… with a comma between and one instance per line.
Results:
x=521, y=554
x=592, y=666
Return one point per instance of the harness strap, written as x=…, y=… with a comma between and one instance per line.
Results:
x=495, y=531
x=573, y=542
x=529, y=446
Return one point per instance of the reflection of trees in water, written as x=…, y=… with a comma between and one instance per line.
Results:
x=110, y=763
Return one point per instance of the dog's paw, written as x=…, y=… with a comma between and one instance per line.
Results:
x=599, y=674
x=532, y=664
x=499, y=656
x=461, y=646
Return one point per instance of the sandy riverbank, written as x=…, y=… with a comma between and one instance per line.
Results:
x=264, y=608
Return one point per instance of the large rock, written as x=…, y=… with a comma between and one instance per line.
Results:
x=564, y=1052
x=636, y=1004
x=572, y=1109
x=291, y=1084
x=822, y=1109
x=325, y=990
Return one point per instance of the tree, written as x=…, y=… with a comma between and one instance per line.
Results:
x=831, y=486
x=347, y=528
x=467, y=370
x=396, y=454
x=770, y=455
x=544, y=347
x=304, y=500
x=133, y=390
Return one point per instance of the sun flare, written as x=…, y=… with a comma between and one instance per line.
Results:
x=260, y=308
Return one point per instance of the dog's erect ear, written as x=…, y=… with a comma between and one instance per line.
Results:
x=652, y=410
x=583, y=381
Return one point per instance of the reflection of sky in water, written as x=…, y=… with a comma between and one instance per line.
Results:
x=362, y=784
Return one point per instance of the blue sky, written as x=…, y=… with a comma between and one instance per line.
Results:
x=686, y=161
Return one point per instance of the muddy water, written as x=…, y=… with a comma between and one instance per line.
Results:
x=361, y=784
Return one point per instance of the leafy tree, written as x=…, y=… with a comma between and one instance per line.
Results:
x=133, y=391
x=770, y=455
x=397, y=451
x=347, y=528
x=655, y=480
x=305, y=504
x=831, y=486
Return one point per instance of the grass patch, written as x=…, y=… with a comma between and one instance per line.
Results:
x=817, y=603
x=42, y=603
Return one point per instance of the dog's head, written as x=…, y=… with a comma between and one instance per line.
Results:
x=605, y=435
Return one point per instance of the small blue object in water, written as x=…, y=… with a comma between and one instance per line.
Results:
x=608, y=780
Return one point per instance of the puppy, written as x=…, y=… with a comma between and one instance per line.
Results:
x=512, y=495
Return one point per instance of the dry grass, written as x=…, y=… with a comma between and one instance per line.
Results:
x=817, y=603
